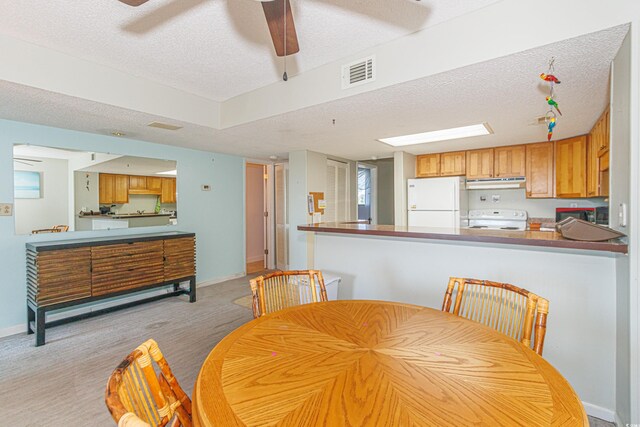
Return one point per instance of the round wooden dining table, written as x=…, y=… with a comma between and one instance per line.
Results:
x=374, y=363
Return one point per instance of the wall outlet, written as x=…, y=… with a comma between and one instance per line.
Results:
x=495, y=198
x=6, y=209
x=573, y=205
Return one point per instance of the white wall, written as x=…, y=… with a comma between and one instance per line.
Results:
x=580, y=286
x=85, y=193
x=620, y=159
x=52, y=208
x=404, y=167
x=254, y=206
x=516, y=199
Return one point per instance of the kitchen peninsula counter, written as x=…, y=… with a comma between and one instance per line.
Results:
x=549, y=239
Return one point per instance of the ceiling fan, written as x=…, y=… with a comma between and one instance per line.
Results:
x=279, y=21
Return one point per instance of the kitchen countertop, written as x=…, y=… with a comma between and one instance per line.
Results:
x=550, y=239
x=124, y=216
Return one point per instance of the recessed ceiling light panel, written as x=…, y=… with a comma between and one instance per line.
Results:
x=171, y=172
x=165, y=126
x=439, y=135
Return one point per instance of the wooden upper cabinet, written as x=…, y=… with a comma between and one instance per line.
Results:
x=113, y=189
x=121, y=189
x=509, y=161
x=154, y=183
x=601, y=130
x=479, y=163
x=571, y=165
x=168, y=194
x=427, y=165
x=105, y=188
x=453, y=164
x=539, y=170
x=593, y=165
x=137, y=182
x=598, y=157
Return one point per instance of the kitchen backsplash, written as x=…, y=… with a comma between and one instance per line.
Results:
x=142, y=202
x=516, y=199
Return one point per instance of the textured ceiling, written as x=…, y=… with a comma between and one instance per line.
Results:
x=506, y=92
x=216, y=48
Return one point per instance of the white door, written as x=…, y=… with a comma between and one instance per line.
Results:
x=282, y=224
x=337, y=193
x=433, y=194
x=447, y=219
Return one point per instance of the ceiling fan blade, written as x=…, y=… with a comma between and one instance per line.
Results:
x=274, y=12
x=27, y=160
x=134, y=3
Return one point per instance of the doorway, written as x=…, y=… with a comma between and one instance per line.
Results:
x=256, y=218
x=367, y=196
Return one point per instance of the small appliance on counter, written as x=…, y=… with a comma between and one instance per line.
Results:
x=498, y=219
x=602, y=215
x=585, y=214
x=577, y=229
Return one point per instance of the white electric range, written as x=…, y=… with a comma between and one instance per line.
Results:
x=498, y=219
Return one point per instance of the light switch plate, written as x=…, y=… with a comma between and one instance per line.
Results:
x=6, y=209
x=205, y=187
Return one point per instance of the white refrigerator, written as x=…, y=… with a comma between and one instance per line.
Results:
x=437, y=202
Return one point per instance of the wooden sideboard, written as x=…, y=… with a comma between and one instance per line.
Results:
x=65, y=273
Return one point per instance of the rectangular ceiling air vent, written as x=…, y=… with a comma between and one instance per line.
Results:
x=166, y=126
x=358, y=72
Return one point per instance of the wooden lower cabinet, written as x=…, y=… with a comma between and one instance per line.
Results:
x=539, y=170
x=86, y=270
x=571, y=167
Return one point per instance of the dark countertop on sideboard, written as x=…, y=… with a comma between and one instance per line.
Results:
x=108, y=240
x=549, y=239
x=123, y=216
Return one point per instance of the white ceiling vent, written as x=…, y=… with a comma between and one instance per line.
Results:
x=358, y=72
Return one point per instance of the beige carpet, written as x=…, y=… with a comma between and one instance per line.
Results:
x=62, y=383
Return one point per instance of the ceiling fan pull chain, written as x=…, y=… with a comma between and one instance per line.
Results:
x=285, y=77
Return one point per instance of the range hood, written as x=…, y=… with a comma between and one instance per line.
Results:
x=496, y=183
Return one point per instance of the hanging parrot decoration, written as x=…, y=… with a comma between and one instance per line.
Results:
x=550, y=125
x=549, y=78
x=554, y=104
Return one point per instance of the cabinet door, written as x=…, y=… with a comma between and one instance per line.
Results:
x=121, y=189
x=168, y=194
x=452, y=164
x=509, y=161
x=105, y=188
x=59, y=275
x=602, y=128
x=137, y=182
x=571, y=165
x=427, y=165
x=479, y=163
x=593, y=164
x=539, y=170
x=154, y=183
x=179, y=258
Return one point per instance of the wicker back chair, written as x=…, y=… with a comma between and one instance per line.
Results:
x=136, y=397
x=282, y=289
x=504, y=307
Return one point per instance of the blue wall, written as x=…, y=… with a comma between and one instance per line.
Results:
x=215, y=216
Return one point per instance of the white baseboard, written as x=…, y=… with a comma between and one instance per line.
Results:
x=600, y=412
x=22, y=327
x=220, y=280
x=14, y=330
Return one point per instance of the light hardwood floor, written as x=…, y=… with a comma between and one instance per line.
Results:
x=62, y=383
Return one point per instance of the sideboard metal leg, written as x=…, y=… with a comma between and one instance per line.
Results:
x=40, y=327
x=31, y=317
x=192, y=289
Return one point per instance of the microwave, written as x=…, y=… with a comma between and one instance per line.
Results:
x=585, y=214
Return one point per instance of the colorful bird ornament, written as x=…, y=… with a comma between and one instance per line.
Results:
x=549, y=78
x=551, y=123
x=554, y=104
